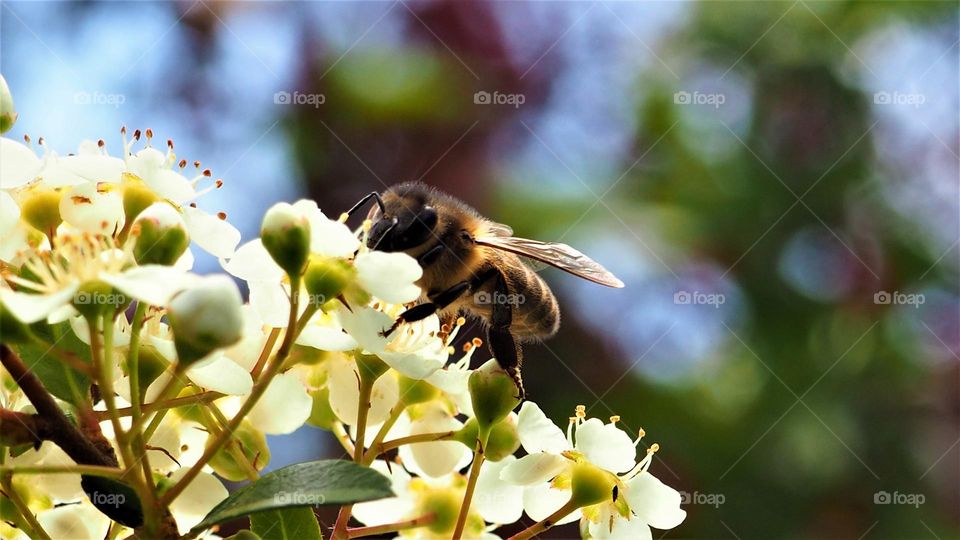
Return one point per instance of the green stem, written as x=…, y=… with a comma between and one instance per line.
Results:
x=94, y=470
x=138, y=442
x=395, y=414
x=6, y=481
x=102, y=355
x=468, y=494
x=258, y=390
x=215, y=422
x=413, y=439
x=541, y=526
x=421, y=521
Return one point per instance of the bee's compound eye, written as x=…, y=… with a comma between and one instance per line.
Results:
x=428, y=215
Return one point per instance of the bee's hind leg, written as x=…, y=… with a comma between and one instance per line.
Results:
x=422, y=311
x=503, y=345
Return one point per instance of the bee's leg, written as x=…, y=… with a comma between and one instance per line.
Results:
x=437, y=302
x=503, y=346
x=430, y=255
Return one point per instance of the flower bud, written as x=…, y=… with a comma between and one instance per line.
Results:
x=321, y=413
x=413, y=391
x=137, y=196
x=493, y=394
x=205, y=318
x=504, y=440
x=161, y=235
x=12, y=329
x=590, y=484
x=8, y=114
x=285, y=234
x=444, y=504
x=41, y=209
x=326, y=278
x=252, y=443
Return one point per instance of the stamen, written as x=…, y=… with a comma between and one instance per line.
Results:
x=581, y=411
x=614, y=419
x=477, y=342
x=570, y=424
x=182, y=164
x=640, y=436
x=367, y=224
x=136, y=135
x=461, y=321
x=343, y=217
x=222, y=216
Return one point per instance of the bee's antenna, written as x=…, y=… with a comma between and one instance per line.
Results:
x=365, y=200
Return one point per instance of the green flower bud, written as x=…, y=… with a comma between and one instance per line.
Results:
x=161, y=235
x=321, y=414
x=285, y=234
x=96, y=298
x=503, y=441
x=590, y=484
x=467, y=435
x=8, y=114
x=152, y=364
x=137, y=196
x=326, y=278
x=41, y=209
x=413, y=391
x=493, y=394
x=205, y=318
x=12, y=329
x=253, y=444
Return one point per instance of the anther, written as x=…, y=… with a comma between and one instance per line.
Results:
x=136, y=135
x=219, y=183
x=467, y=347
x=343, y=217
x=196, y=164
x=183, y=163
x=222, y=216
x=149, y=133
x=170, y=144
x=461, y=321
x=101, y=143
x=653, y=448
x=26, y=138
x=206, y=172
x=614, y=419
x=477, y=342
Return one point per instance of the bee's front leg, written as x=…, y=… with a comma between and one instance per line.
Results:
x=422, y=311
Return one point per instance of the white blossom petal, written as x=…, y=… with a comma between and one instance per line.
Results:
x=76, y=522
x=271, y=302
x=326, y=338
x=327, y=237
x=495, y=500
x=541, y=501
x=196, y=501
x=389, y=276
x=620, y=529
x=30, y=308
x=252, y=262
x=9, y=214
x=284, y=407
x=538, y=433
x=434, y=459
x=93, y=207
x=606, y=446
x=222, y=375
x=654, y=502
x=154, y=284
x=534, y=469
x=89, y=167
x=18, y=164
x=211, y=233
x=344, y=388
x=390, y=510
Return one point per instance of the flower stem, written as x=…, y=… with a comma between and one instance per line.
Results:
x=550, y=521
x=258, y=390
x=395, y=414
x=468, y=494
x=421, y=521
x=413, y=439
x=6, y=481
x=136, y=433
x=93, y=470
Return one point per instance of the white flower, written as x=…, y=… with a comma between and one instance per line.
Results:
x=414, y=349
x=18, y=164
x=327, y=237
x=75, y=521
x=343, y=382
x=433, y=459
x=196, y=501
x=392, y=509
x=390, y=277
x=284, y=406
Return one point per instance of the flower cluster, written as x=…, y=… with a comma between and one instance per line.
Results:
x=167, y=382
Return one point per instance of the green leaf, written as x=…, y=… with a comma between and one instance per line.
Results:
x=286, y=524
x=59, y=379
x=314, y=483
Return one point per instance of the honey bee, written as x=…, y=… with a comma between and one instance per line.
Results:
x=476, y=267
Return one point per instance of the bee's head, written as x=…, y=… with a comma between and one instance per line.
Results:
x=406, y=221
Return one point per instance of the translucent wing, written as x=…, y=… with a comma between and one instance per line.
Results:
x=498, y=229
x=560, y=256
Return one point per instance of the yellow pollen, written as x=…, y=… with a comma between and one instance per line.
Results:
x=451, y=350
x=653, y=448
x=614, y=419
x=467, y=347
x=343, y=217
x=367, y=224
x=581, y=411
x=461, y=321
x=477, y=342
x=642, y=433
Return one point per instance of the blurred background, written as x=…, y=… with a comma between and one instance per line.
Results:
x=776, y=182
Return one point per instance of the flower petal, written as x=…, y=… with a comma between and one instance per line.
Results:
x=534, y=469
x=620, y=529
x=211, y=233
x=606, y=446
x=388, y=510
x=345, y=392
x=77, y=522
x=18, y=164
x=538, y=433
x=434, y=459
x=497, y=501
x=196, y=501
x=541, y=501
x=654, y=502
x=9, y=214
x=154, y=284
x=222, y=375
x=327, y=237
x=251, y=262
x=30, y=308
x=93, y=207
x=284, y=407
x=326, y=338
x=389, y=276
